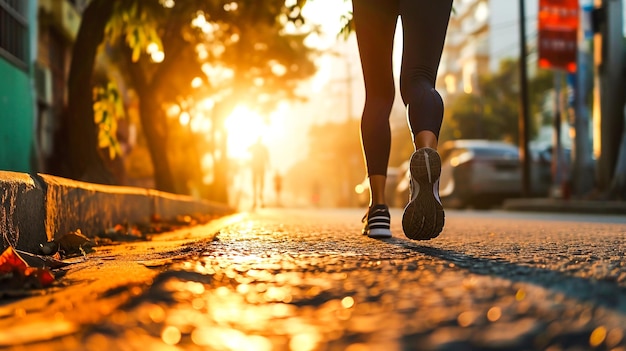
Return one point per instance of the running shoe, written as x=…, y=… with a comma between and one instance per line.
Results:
x=423, y=216
x=377, y=222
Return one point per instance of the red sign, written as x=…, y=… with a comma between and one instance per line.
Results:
x=558, y=34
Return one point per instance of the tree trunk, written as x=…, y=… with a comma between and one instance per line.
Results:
x=154, y=127
x=222, y=165
x=219, y=188
x=81, y=151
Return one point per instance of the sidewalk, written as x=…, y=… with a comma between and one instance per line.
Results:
x=35, y=209
x=566, y=206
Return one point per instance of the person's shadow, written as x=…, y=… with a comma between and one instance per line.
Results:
x=607, y=293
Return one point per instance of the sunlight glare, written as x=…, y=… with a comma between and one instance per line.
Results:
x=278, y=119
x=278, y=69
x=171, y=335
x=327, y=14
x=322, y=77
x=304, y=341
x=173, y=110
x=184, y=118
x=168, y=4
x=199, y=21
x=152, y=47
x=196, y=123
x=157, y=56
x=202, y=51
x=231, y=6
x=244, y=127
x=217, y=74
x=207, y=104
x=208, y=164
x=196, y=82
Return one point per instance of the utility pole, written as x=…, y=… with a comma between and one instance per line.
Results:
x=608, y=97
x=557, y=147
x=523, y=104
x=582, y=170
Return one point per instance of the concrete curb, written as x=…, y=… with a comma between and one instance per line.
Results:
x=566, y=206
x=37, y=208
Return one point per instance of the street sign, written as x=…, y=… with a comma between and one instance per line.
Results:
x=558, y=34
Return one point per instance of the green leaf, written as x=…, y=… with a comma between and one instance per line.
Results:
x=136, y=53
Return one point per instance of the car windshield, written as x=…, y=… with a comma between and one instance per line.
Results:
x=494, y=152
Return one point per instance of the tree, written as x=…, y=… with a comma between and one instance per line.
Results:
x=80, y=151
x=492, y=112
x=236, y=49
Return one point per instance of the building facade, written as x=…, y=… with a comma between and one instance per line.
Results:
x=58, y=24
x=481, y=34
x=36, y=40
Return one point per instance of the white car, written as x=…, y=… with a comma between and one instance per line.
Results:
x=481, y=174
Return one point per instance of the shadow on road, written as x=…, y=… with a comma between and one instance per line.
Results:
x=606, y=293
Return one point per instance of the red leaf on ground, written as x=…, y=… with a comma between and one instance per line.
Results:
x=10, y=261
x=44, y=276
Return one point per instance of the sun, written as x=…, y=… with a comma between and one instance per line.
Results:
x=244, y=127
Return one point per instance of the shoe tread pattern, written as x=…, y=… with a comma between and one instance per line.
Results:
x=423, y=217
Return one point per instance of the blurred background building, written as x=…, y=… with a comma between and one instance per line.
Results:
x=35, y=49
x=58, y=23
x=36, y=41
x=481, y=34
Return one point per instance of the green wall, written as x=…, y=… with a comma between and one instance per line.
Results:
x=16, y=118
x=17, y=107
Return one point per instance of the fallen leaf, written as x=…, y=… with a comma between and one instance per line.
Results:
x=123, y=232
x=43, y=276
x=10, y=261
x=14, y=271
x=43, y=261
x=74, y=243
x=119, y=228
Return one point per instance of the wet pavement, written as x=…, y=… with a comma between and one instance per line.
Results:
x=307, y=280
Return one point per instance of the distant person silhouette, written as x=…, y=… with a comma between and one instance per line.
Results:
x=278, y=186
x=315, y=193
x=259, y=163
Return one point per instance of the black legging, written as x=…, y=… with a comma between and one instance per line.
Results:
x=424, y=26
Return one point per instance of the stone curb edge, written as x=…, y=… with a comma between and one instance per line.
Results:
x=36, y=208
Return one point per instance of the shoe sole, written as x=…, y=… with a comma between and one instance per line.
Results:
x=423, y=216
x=379, y=233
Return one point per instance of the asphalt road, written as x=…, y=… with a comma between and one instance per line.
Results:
x=307, y=280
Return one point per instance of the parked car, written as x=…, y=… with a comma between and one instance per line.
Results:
x=394, y=174
x=544, y=171
x=481, y=174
